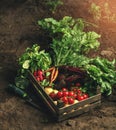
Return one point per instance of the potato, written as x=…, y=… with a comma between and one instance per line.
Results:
x=55, y=91
x=76, y=101
x=48, y=90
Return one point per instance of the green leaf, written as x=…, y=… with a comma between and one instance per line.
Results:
x=21, y=82
x=26, y=64
x=44, y=83
x=48, y=74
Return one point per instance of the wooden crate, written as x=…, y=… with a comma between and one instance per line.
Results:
x=66, y=112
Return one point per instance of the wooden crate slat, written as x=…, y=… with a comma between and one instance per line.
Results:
x=39, y=88
x=78, y=112
x=80, y=103
x=44, y=100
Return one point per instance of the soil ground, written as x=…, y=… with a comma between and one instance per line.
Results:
x=18, y=30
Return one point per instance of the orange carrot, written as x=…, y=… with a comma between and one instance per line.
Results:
x=53, y=77
x=52, y=73
x=50, y=69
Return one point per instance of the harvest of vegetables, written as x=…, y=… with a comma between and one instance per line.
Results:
x=65, y=72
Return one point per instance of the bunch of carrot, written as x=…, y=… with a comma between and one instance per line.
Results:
x=53, y=74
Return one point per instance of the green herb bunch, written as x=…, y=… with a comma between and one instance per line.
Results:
x=32, y=59
x=69, y=39
x=101, y=72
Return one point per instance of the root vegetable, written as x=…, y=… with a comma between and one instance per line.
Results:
x=48, y=90
x=54, y=75
x=55, y=91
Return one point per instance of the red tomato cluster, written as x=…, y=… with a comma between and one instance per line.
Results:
x=69, y=97
x=38, y=75
x=80, y=95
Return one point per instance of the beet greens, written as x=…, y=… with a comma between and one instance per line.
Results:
x=70, y=44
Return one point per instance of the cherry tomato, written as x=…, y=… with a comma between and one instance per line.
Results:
x=71, y=93
x=59, y=94
x=79, y=91
x=65, y=100
x=52, y=95
x=74, y=90
x=78, y=84
x=64, y=89
x=75, y=95
x=80, y=97
x=85, y=96
x=70, y=100
x=65, y=93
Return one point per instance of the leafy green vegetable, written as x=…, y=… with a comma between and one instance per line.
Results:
x=32, y=59
x=69, y=39
x=21, y=82
x=44, y=83
x=103, y=73
x=70, y=44
x=26, y=64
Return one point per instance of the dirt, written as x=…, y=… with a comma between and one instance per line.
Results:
x=19, y=30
